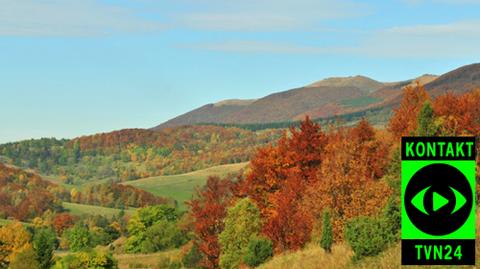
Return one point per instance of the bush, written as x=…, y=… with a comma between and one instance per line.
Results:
x=92, y=259
x=368, y=236
x=392, y=217
x=258, y=251
x=327, y=232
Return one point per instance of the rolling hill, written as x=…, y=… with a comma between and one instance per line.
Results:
x=181, y=187
x=326, y=98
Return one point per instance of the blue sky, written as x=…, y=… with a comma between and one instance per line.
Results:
x=71, y=68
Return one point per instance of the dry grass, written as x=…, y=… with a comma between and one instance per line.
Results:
x=147, y=261
x=313, y=257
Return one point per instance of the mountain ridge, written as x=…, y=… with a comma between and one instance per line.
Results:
x=333, y=96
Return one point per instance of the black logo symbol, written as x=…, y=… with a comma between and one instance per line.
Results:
x=438, y=199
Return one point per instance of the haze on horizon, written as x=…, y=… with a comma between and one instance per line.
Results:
x=72, y=68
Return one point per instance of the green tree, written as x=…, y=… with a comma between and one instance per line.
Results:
x=162, y=235
x=44, y=243
x=144, y=224
x=242, y=223
x=258, y=251
x=426, y=121
x=327, y=232
x=79, y=237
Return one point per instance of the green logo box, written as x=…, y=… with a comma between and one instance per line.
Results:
x=438, y=200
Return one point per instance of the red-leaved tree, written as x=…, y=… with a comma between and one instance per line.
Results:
x=208, y=210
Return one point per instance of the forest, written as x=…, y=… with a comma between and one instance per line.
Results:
x=306, y=185
x=136, y=153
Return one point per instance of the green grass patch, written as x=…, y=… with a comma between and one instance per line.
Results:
x=181, y=187
x=81, y=209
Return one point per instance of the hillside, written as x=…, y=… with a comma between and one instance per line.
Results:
x=338, y=96
x=314, y=257
x=25, y=195
x=283, y=106
x=136, y=153
x=181, y=187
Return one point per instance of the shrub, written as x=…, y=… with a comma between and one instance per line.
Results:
x=392, y=217
x=92, y=259
x=368, y=236
x=258, y=251
x=327, y=232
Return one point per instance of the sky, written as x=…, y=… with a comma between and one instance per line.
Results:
x=70, y=68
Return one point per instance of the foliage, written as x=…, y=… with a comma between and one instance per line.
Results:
x=62, y=221
x=277, y=181
x=91, y=259
x=14, y=239
x=426, y=121
x=44, y=243
x=162, y=235
x=115, y=195
x=392, y=217
x=354, y=162
x=25, y=259
x=242, y=223
x=208, y=210
x=154, y=228
x=79, y=237
x=327, y=232
x=404, y=119
x=368, y=236
x=26, y=195
x=258, y=251
x=137, y=153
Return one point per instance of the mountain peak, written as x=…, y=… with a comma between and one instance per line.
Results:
x=351, y=81
x=235, y=102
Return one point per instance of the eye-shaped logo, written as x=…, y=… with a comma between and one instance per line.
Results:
x=438, y=199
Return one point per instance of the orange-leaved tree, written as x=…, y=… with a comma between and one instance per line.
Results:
x=277, y=180
x=349, y=182
x=404, y=119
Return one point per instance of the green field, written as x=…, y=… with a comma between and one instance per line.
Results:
x=80, y=209
x=181, y=187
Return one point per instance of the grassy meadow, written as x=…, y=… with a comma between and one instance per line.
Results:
x=181, y=187
x=82, y=209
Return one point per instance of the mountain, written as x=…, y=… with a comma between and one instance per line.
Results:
x=335, y=96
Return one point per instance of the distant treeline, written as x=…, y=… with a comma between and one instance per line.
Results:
x=378, y=115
